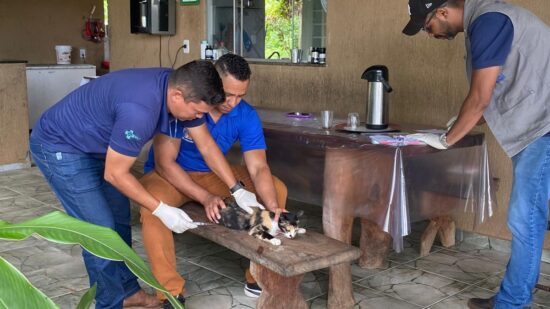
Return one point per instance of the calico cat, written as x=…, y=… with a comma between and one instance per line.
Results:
x=262, y=224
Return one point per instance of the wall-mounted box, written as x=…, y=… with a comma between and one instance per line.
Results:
x=153, y=17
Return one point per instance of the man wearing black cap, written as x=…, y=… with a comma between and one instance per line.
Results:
x=508, y=65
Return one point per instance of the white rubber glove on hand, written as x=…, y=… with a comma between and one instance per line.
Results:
x=431, y=139
x=174, y=218
x=451, y=122
x=246, y=199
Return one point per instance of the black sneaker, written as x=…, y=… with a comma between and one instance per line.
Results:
x=484, y=303
x=481, y=303
x=252, y=290
x=167, y=305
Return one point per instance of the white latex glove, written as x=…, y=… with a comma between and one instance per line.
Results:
x=451, y=122
x=431, y=139
x=246, y=199
x=174, y=218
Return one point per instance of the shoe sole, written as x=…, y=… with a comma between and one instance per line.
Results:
x=251, y=294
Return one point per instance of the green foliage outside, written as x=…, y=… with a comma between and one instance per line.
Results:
x=282, y=26
x=18, y=292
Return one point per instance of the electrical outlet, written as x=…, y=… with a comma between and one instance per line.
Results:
x=185, y=46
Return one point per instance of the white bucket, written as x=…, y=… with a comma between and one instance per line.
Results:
x=63, y=53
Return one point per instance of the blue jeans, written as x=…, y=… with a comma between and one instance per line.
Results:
x=77, y=181
x=527, y=220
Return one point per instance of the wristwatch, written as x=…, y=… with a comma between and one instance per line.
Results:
x=239, y=185
x=443, y=140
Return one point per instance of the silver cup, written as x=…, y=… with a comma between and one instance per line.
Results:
x=296, y=55
x=326, y=119
x=353, y=120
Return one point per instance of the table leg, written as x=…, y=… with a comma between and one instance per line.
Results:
x=338, y=194
x=375, y=246
x=340, y=289
x=443, y=226
x=278, y=292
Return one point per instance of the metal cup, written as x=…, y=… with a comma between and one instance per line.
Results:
x=326, y=119
x=296, y=55
x=353, y=120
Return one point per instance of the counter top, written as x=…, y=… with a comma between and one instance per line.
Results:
x=59, y=66
x=12, y=61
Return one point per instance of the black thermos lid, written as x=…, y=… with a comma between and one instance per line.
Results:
x=373, y=73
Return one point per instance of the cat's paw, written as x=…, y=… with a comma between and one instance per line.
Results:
x=275, y=241
x=301, y=231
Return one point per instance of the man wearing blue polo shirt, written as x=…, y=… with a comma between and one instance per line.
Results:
x=508, y=64
x=178, y=173
x=86, y=144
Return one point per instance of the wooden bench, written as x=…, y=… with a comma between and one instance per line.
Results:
x=277, y=269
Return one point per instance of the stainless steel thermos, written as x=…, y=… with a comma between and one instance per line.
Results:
x=377, y=99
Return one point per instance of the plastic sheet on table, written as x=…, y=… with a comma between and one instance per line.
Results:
x=391, y=186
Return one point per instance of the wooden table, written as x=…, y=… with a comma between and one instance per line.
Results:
x=385, y=186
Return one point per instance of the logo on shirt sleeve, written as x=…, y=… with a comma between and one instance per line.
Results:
x=186, y=137
x=130, y=135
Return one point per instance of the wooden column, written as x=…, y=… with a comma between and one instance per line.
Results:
x=278, y=292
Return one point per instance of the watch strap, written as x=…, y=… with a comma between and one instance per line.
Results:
x=239, y=185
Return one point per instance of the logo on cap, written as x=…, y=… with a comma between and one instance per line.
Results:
x=429, y=5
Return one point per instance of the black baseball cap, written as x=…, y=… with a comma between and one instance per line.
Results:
x=418, y=10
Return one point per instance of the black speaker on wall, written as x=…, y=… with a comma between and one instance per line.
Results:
x=153, y=16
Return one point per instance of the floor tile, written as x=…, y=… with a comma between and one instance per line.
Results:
x=230, y=296
x=359, y=273
x=6, y=193
x=17, y=178
x=460, y=300
x=413, y=285
x=199, y=279
x=540, y=297
x=45, y=256
x=70, y=301
x=446, y=278
x=457, y=265
x=21, y=208
x=48, y=198
x=32, y=188
x=314, y=284
x=366, y=298
x=191, y=246
x=227, y=263
x=10, y=245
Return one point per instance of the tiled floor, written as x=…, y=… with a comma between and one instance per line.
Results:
x=444, y=279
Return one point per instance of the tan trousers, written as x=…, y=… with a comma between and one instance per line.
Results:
x=158, y=239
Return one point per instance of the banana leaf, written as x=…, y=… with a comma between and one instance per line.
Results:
x=88, y=298
x=103, y=242
x=17, y=292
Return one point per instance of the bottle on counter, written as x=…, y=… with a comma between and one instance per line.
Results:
x=204, y=43
x=315, y=55
x=322, y=55
x=208, y=53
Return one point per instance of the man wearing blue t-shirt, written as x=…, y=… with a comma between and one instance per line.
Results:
x=178, y=173
x=86, y=144
x=508, y=64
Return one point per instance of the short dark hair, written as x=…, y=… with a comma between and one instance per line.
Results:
x=233, y=65
x=199, y=81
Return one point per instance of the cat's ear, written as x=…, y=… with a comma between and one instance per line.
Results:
x=299, y=214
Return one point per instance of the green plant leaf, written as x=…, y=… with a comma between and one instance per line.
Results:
x=88, y=298
x=18, y=292
x=101, y=241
